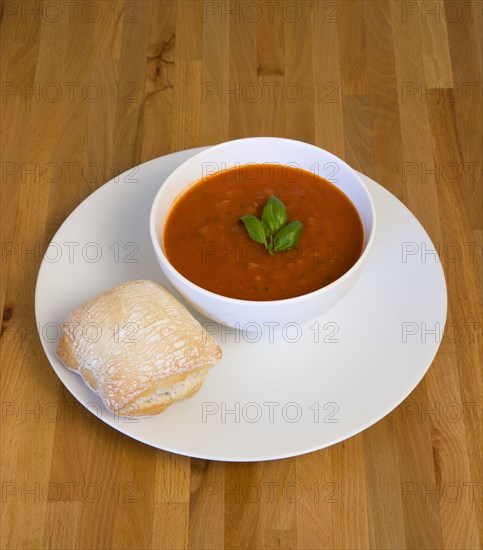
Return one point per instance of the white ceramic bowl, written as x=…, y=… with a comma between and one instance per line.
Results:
x=246, y=314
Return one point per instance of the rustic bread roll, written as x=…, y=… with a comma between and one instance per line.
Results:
x=138, y=348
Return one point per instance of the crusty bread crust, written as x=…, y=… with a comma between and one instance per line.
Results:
x=65, y=352
x=138, y=348
x=158, y=401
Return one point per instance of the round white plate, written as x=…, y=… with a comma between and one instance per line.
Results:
x=276, y=392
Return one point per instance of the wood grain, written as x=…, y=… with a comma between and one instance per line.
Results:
x=90, y=89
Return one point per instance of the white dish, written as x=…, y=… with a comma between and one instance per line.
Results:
x=261, y=150
x=373, y=347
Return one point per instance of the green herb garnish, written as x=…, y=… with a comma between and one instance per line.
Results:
x=272, y=230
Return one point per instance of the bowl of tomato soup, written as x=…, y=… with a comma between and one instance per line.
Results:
x=262, y=230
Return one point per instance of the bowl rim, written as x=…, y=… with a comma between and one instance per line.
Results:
x=258, y=303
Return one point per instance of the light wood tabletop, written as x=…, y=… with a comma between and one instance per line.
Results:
x=91, y=88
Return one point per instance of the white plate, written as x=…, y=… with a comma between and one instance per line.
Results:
x=292, y=391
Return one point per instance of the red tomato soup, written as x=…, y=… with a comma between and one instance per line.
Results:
x=205, y=240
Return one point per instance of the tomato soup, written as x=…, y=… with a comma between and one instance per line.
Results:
x=205, y=240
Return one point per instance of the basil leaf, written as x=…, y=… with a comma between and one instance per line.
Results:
x=255, y=228
x=288, y=236
x=274, y=215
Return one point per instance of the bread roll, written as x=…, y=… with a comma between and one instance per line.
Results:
x=138, y=348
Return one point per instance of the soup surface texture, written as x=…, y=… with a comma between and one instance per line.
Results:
x=205, y=240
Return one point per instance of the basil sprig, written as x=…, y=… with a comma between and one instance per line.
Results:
x=272, y=230
x=255, y=228
x=274, y=215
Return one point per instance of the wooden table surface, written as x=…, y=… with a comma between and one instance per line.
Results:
x=92, y=88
